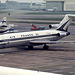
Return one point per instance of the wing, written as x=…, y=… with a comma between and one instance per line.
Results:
x=50, y=42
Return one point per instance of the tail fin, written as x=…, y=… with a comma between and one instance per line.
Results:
x=65, y=22
x=4, y=20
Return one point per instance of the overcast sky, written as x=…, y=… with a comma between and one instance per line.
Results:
x=23, y=0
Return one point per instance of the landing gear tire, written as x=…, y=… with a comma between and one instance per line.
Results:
x=30, y=47
x=45, y=47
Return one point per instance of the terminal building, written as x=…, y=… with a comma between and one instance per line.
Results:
x=61, y=5
x=38, y=6
x=17, y=5
x=2, y=5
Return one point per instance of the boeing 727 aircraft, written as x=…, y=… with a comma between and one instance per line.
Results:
x=40, y=37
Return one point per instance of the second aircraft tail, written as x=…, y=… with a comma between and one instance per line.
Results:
x=3, y=21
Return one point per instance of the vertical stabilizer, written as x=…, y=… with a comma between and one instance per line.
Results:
x=66, y=22
x=4, y=20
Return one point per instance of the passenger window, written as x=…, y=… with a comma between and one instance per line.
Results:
x=12, y=37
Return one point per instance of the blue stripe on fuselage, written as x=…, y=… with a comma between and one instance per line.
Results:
x=17, y=39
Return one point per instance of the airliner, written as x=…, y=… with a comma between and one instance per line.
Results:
x=51, y=10
x=40, y=37
x=4, y=27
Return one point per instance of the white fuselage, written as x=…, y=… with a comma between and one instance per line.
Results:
x=24, y=38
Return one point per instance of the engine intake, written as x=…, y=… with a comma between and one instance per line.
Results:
x=53, y=26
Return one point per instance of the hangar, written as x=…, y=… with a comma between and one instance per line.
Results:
x=61, y=5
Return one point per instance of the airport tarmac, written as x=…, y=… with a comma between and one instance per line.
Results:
x=60, y=58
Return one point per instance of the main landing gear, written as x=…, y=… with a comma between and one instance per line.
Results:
x=45, y=47
x=30, y=47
